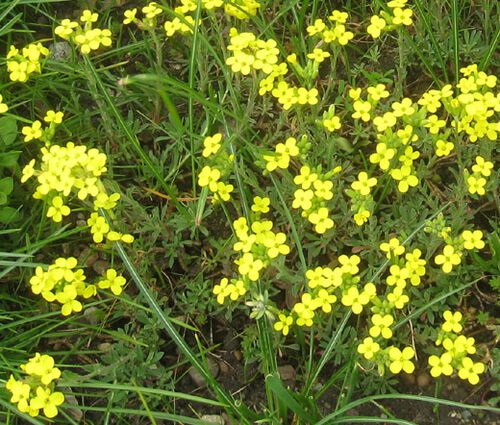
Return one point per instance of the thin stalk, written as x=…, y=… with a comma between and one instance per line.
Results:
x=455, y=35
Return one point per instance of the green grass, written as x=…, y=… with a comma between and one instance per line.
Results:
x=148, y=103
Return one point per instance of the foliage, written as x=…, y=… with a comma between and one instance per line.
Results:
x=324, y=179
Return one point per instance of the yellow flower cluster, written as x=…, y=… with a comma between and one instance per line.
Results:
x=64, y=283
x=330, y=121
x=313, y=192
x=362, y=202
x=457, y=347
x=409, y=124
x=85, y=37
x=35, y=392
x=475, y=106
x=402, y=271
x=35, y=131
x=390, y=143
x=21, y=64
x=476, y=180
x=398, y=15
x=210, y=175
x=325, y=286
x=335, y=32
x=259, y=247
x=452, y=253
x=283, y=153
x=313, y=189
x=183, y=22
x=241, y=9
x=65, y=171
x=250, y=53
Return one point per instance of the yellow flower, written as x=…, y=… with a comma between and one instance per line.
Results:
x=261, y=204
x=28, y=171
x=320, y=220
x=20, y=393
x=349, y=264
x=305, y=310
x=42, y=366
x=393, y=247
x=448, y=258
x=248, y=266
x=397, y=298
x=364, y=184
x=352, y=298
x=470, y=371
x=403, y=108
x=222, y=290
x=433, y=123
x=332, y=124
x=362, y=110
x=338, y=16
x=377, y=92
x=211, y=144
x=209, y=177
x=361, y=217
x=129, y=16
x=473, y=239
x=482, y=166
x=405, y=178
x=325, y=300
x=318, y=55
x=476, y=185
x=441, y=365
x=452, y=321
x=151, y=10
x=305, y=96
x=88, y=17
x=323, y=189
x=368, y=348
x=283, y=324
x=302, y=199
x=402, y=16
x=377, y=24
x=32, y=132
x=382, y=156
x=401, y=360
x=443, y=148
x=113, y=281
x=306, y=178
x=48, y=401
x=66, y=29
x=98, y=227
x=388, y=120
x=316, y=28
x=381, y=326
x=57, y=209
x=55, y=117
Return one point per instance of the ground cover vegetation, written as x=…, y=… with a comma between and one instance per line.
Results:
x=248, y=211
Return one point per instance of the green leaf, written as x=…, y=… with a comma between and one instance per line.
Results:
x=8, y=130
x=6, y=185
x=8, y=215
x=3, y=198
x=286, y=397
x=9, y=159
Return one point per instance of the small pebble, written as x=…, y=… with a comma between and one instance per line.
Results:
x=213, y=419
